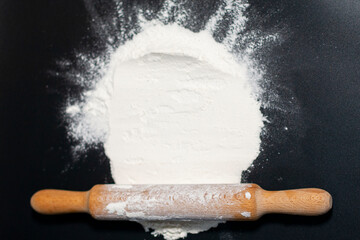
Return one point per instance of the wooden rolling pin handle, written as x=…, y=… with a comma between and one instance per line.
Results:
x=50, y=201
x=307, y=201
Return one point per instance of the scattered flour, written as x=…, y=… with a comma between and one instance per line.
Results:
x=176, y=230
x=175, y=107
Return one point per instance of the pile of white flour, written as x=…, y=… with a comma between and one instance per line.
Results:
x=180, y=110
x=173, y=107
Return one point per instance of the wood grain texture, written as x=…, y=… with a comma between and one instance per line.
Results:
x=308, y=201
x=51, y=201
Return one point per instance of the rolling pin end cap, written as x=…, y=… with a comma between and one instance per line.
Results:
x=327, y=203
x=34, y=201
x=330, y=202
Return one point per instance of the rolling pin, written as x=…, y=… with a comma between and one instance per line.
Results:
x=232, y=202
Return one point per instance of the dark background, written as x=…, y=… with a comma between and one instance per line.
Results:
x=319, y=62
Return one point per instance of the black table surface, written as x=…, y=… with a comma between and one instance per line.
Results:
x=318, y=63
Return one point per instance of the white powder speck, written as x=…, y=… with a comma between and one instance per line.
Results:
x=246, y=214
x=248, y=195
x=118, y=208
x=73, y=110
x=119, y=186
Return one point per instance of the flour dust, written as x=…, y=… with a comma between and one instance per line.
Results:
x=174, y=97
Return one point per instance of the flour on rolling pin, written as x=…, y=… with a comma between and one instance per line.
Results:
x=171, y=201
x=175, y=107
